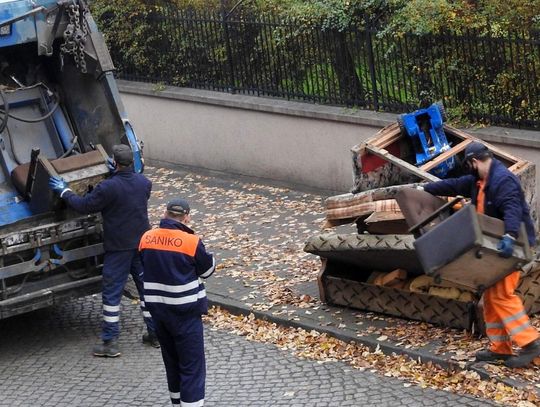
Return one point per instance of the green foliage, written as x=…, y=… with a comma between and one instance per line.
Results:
x=328, y=14
x=425, y=16
x=394, y=16
x=509, y=15
x=416, y=16
x=494, y=16
x=319, y=50
x=129, y=33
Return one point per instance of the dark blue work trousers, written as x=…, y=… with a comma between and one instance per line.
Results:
x=117, y=266
x=182, y=348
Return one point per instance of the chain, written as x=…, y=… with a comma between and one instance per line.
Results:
x=75, y=37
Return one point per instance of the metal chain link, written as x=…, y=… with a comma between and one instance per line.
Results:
x=75, y=37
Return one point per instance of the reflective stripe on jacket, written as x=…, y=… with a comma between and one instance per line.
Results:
x=174, y=261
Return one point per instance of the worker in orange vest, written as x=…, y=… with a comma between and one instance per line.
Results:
x=496, y=192
x=175, y=261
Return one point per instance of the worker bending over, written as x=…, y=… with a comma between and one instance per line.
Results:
x=122, y=200
x=496, y=192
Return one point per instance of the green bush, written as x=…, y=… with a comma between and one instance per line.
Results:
x=392, y=55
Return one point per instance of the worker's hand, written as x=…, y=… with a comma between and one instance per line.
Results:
x=58, y=185
x=506, y=246
x=111, y=165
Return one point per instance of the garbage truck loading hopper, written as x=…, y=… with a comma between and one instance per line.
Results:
x=60, y=114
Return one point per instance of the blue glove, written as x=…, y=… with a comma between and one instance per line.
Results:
x=58, y=185
x=111, y=165
x=506, y=246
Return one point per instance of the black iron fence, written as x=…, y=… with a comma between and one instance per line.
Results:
x=478, y=77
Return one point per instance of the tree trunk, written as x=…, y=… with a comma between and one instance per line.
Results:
x=350, y=88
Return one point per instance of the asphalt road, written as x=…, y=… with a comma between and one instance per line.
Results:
x=45, y=360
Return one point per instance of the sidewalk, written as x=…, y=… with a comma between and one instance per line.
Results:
x=258, y=232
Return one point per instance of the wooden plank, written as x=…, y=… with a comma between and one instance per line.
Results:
x=320, y=282
x=391, y=137
x=382, y=135
x=492, y=148
x=517, y=167
x=457, y=133
x=446, y=155
x=391, y=140
x=401, y=163
x=518, y=164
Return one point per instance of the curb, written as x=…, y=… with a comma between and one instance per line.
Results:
x=237, y=308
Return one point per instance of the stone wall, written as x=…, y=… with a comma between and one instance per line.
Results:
x=300, y=144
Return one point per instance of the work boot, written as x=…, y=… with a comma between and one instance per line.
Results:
x=107, y=349
x=487, y=355
x=151, y=339
x=525, y=356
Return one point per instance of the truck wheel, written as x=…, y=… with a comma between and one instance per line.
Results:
x=442, y=111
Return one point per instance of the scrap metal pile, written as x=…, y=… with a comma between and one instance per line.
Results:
x=387, y=260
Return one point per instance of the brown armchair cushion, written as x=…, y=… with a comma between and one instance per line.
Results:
x=19, y=175
x=416, y=205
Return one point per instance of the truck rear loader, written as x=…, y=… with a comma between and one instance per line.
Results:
x=60, y=114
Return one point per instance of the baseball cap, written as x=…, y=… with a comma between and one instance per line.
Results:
x=476, y=150
x=122, y=154
x=179, y=206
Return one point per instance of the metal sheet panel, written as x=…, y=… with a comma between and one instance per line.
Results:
x=368, y=252
x=463, y=251
x=400, y=303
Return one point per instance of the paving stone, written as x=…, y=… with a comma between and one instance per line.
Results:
x=45, y=360
x=45, y=356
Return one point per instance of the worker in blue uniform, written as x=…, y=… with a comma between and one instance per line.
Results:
x=122, y=200
x=174, y=261
x=495, y=191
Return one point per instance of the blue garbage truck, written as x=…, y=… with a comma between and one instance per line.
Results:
x=60, y=114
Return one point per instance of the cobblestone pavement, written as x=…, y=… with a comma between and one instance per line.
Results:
x=45, y=360
x=258, y=231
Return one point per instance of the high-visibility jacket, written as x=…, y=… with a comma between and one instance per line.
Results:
x=174, y=261
x=504, y=314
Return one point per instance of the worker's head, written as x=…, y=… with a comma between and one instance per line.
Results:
x=477, y=159
x=178, y=209
x=122, y=155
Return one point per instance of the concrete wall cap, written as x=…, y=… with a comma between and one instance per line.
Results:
x=262, y=104
x=510, y=136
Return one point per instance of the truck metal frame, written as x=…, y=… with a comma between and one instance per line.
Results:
x=60, y=114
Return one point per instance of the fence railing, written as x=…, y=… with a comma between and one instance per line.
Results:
x=478, y=77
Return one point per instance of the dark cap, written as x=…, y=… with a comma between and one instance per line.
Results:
x=122, y=154
x=476, y=150
x=179, y=206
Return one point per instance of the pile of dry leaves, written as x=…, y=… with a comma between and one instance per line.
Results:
x=322, y=347
x=258, y=233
